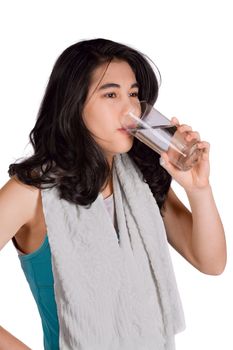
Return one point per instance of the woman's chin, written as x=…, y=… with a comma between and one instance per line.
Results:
x=120, y=146
x=125, y=147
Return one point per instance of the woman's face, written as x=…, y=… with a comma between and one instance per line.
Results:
x=112, y=93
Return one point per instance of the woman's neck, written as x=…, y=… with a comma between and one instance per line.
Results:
x=108, y=189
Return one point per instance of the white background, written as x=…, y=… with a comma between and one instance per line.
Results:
x=191, y=43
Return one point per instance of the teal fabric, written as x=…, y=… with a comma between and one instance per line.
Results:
x=37, y=268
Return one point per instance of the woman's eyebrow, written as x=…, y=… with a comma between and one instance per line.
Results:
x=110, y=85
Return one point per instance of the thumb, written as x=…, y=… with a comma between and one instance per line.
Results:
x=166, y=164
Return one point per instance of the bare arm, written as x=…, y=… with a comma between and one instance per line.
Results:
x=198, y=236
x=17, y=206
x=18, y=203
x=9, y=342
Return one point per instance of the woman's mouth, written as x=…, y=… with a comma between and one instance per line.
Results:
x=123, y=131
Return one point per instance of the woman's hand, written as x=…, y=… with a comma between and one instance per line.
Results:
x=198, y=176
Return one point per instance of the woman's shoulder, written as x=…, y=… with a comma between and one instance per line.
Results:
x=18, y=206
x=29, y=195
x=19, y=188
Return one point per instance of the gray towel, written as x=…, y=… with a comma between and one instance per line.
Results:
x=111, y=295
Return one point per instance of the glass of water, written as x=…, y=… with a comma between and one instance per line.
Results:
x=156, y=131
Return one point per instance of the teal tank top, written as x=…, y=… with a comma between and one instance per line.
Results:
x=37, y=268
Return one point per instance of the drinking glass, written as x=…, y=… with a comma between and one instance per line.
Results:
x=156, y=131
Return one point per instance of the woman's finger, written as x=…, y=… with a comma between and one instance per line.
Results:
x=184, y=127
x=205, y=147
x=175, y=121
x=193, y=135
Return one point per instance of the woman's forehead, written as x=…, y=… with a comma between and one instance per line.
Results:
x=115, y=71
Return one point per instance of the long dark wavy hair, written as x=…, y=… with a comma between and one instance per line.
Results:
x=65, y=153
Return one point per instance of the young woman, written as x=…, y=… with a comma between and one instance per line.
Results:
x=93, y=210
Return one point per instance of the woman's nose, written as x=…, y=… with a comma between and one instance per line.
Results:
x=131, y=114
x=132, y=106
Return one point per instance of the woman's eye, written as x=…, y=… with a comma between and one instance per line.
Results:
x=134, y=94
x=110, y=95
x=114, y=95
